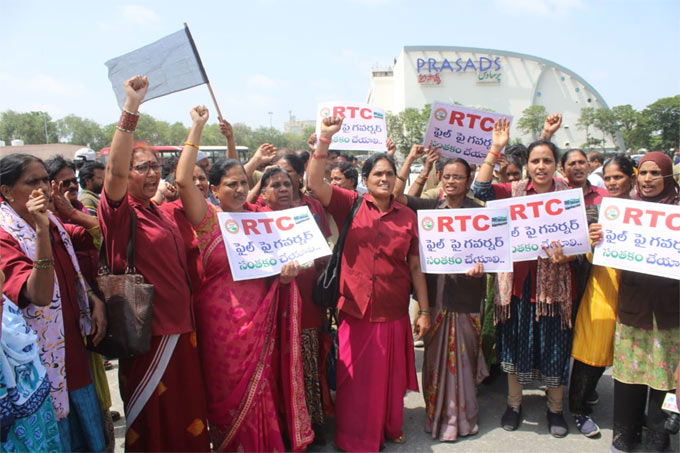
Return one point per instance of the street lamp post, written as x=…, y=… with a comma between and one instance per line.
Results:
x=44, y=117
x=270, y=120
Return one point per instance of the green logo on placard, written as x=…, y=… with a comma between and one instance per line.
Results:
x=612, y=213
x=231, y=226
x=440, y=114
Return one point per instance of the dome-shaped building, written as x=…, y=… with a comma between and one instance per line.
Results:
x=505, y=82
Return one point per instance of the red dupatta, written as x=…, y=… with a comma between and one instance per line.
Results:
x=282, y=352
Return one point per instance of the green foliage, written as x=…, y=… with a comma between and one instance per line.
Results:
x=664, y=118
x=29, y=127
x=605, y=120
x=408, y=127
x=79, y=131
x=532, y=119
x=635, y=126
x=585, y=121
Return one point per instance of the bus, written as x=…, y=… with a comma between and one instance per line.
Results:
x=213, y=152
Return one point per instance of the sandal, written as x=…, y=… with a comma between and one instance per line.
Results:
x=399, y=440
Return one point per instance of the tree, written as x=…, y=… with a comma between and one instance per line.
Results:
x=408, y=127
x=32, y=127
x=585, y=121
x=80, y=131
x=605, y=120
x=532, y=119
x=634, y=126
x=664, y=118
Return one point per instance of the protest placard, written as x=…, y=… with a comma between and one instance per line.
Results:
x=363, y=127
x=640, y=236
x=538, y=220
x=452, y=241
x=260, y=243
x=460, y=131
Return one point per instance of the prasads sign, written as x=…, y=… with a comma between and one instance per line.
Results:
x=429, y=70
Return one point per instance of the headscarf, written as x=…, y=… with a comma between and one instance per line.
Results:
x=671, y=192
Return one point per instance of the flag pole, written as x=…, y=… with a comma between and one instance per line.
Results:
x=200, y=65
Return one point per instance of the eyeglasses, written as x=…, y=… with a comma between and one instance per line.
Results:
x=455, y=177
x=144, y=168
x=69, y=182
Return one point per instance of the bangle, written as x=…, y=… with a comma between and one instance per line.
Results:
x=127, y=122
x=319, y=156
x=325, y=140
x=191, y=144
x=90, y=292
x=424, y=177
x=124, y=130
x=131, y=113
x=401, y=178
x=43, y=263
x=498, y=155
x=419, y=181
x=489, y=164
x=424, y=312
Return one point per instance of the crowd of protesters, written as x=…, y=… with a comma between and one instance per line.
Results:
x=241, y=365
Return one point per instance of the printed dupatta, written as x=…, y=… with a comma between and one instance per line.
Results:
x=553, y=281
x=48, y=321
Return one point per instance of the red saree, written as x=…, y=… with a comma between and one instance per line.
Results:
x=249, y=343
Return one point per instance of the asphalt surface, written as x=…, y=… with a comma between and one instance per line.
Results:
x=532, y=435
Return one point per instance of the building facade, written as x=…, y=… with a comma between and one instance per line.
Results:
x=497, y=80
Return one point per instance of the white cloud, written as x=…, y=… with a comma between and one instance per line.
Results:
x=139, y=14
x=539, y=7
x=263, y=81
x=41, y=83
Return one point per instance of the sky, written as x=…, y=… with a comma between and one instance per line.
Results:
x=280, y=56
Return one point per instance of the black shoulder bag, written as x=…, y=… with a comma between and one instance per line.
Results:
x=327, y=287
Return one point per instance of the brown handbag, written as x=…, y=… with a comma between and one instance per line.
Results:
x=129, y=306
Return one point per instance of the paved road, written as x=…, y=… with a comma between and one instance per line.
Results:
x=532, y=435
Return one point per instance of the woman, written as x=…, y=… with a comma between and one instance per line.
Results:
x=647, y=330
x=453, y=364
x=531, y=346
x=162, y=390
x=311, y=313
x=380, y=263
x=593, y=344
x=44, y=278
x=510, y=168
x=345, y=175
x=27, y=420
x=247, y=329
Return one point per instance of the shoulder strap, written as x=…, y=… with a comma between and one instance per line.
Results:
x=130, y=253
x=345, y=228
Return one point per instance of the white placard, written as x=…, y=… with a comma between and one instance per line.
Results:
x=640, y=236
x=363, y=126
x=452, y=241
x=259, y=243
x=538, y=220
x=461, y=132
